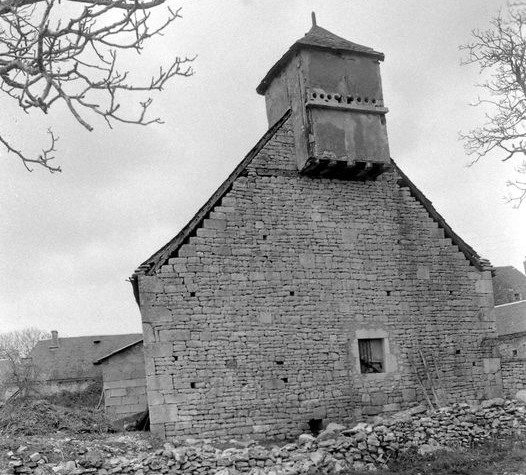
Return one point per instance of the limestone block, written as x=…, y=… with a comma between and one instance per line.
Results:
x=291, y=319
x=148, y=333
x=150, y=284
x=115, y=392
x=422, y=272
x=261, y=429
x=491, y=365
x=176, y=398
x=372, y=410
x=158, y=429
x=378, y=398
x=130, y=400
x=484, y=286
x=161, y=381
x=166, y=269
x=218, y=224
x=349, y=236
x=187, y=250
x=409, y=395
x=174, y=335
x=158, y=349
x=149, y=366
x=148, y=298
x=274, y=384
x=206, y=233
x=164, y=413
x=223, y=250
x=308, y=260
x=113, y=401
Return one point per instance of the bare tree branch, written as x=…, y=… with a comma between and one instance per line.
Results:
x=67, y=52
x=15, y=347
x=501, y=50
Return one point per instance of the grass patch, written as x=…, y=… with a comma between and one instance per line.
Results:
x=491, y=458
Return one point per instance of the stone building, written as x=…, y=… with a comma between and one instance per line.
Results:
x=509, y=285
x=317, y=280
x=124, y=381
x=511, y=329
x=66, y=364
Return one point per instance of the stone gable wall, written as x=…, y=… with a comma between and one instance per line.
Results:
x=253, y=326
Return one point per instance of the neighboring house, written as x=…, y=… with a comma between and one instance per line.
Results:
x=66, y=364
x=509, y=285
x=317, y=280
x=511, y=328
x=124, y=381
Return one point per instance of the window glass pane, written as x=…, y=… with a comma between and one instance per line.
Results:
x=371, y=352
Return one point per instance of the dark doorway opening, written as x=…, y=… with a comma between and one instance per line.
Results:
x=315, y=426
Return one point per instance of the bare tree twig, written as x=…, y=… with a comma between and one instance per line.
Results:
x=15, y=347
x=68, y=52
x=501, y=51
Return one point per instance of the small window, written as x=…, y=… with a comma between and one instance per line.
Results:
x=371, y=355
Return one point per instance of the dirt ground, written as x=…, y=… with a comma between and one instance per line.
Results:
x=41, y=437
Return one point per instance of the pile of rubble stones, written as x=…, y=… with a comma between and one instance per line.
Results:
x=335, y=450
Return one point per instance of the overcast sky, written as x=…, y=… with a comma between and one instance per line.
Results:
x=69, y=241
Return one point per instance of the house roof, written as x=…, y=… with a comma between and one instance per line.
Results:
x=316, y=38
x=116, y=352
x=74, y=356
x=511, y=318
x=507, y=282
x=154, y=262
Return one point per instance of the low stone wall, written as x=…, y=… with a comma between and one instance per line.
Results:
x=335, y=450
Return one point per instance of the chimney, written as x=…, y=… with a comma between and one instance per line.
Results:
x=524, y=264
x=334, y=90
x=54, y=339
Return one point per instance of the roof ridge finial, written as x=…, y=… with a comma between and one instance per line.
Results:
x=313, y=16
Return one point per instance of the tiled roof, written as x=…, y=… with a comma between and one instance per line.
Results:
x=511, y=318
x=116, y=352
x=318, y=38
x=74, y=356
x=508, y=282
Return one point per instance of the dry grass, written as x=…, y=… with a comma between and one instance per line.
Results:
x=498, y=457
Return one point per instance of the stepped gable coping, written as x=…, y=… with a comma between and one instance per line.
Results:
x=154, y=262
x=151, y=265
x=471, y=255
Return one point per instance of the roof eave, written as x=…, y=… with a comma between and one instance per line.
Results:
x=478, y=262
x=282, y=62
x=113, y=353
x=151, y=265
